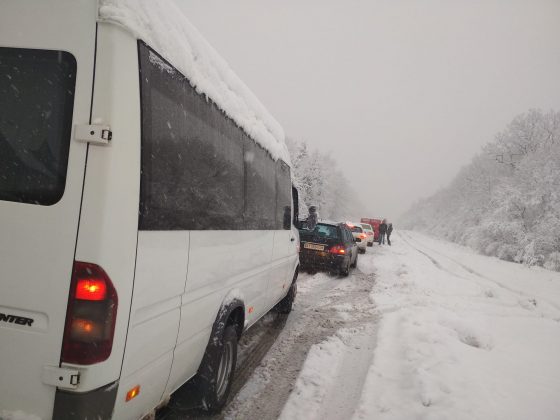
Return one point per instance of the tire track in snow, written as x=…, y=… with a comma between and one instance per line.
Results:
x=520, y=294
x=342, y=399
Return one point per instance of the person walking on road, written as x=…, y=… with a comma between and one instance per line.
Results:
x=389, y=231
x=382, y=231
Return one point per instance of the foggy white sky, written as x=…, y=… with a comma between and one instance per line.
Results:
x=403, y=93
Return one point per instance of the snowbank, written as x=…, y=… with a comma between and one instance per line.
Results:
x=316, y=378
x=162, y=25
x=462, y=336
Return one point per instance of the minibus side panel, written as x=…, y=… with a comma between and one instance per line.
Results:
x=280, y=278
x=220, y=261
x=285, y=246
x=161, y=271
x=38, y=240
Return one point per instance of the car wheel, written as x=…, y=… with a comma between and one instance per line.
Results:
x=355, y=262
x=346, y=270
x=286, y=304
x=215, y=376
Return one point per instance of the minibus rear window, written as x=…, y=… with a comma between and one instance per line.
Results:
x=36, y=103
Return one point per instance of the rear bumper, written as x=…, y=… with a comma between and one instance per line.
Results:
x=96, y=404
x=310, y=259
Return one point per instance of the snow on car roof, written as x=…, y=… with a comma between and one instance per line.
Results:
x=163, y=26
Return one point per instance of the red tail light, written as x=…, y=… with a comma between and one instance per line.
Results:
x=362, y=236
x=337, y=250
x=91, y=316
x=91, y=289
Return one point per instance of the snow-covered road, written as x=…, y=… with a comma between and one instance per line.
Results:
x=423, y=329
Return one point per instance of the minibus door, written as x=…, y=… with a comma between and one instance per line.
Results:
x=45, y=89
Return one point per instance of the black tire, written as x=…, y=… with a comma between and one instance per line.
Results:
x=370, y=244
x=285, y=305
x=355, y=262
x=344, y=271
x=215, y=376
x=362, y=251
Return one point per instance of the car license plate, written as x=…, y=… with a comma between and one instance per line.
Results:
x=314, y=247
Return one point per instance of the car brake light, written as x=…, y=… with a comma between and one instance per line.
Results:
x=337, y=250
x=90, y=317
x=362, y=236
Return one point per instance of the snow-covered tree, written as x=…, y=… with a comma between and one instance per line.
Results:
x=507, y=201
x=322, y=184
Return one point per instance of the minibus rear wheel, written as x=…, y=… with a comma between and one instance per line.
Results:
x=216, y=375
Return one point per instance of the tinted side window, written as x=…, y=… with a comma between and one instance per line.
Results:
x=283, y=196
x=36, y=106
x=260, y=187
x=347, y=235
x=199, y=169
x=341, y=234
x=192, y=156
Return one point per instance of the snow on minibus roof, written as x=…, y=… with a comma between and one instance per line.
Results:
x=163, y=26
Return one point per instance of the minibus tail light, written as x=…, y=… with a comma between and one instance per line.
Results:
x=90, y=317
x=91, y=289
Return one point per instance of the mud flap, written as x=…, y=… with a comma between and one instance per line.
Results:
x=96, y=404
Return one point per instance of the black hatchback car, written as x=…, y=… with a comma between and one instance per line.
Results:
x=330, y=246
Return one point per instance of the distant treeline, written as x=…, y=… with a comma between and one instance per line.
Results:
x=506, y=202
x=322, y=184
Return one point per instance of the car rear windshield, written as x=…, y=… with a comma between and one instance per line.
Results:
x=367, y=227
x=356, y=229
x=36, y=103
x=322, y=231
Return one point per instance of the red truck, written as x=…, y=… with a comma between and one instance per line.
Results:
x=374, y=224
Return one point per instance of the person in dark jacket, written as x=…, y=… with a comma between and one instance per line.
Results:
x=382, y=231
x=313, y=218
x=389, y=231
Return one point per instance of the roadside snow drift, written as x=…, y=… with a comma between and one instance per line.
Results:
x=163, y=26
x=462, y=336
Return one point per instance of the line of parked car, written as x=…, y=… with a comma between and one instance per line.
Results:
x=333, y=246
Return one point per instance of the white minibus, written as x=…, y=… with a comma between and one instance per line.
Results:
x=146, y=210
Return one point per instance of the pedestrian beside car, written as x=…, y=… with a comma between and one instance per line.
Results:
x=389, y=231
x=382, y=231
